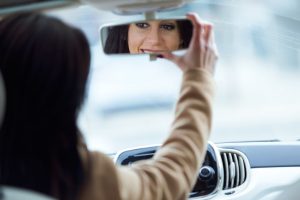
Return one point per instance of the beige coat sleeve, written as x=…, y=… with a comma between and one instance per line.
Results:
x=172, y=172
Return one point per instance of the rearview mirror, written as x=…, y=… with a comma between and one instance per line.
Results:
x=149, y=36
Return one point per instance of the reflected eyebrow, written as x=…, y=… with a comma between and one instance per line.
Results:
x=141, y=22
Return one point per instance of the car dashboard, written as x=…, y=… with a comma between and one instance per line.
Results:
x=248, y=170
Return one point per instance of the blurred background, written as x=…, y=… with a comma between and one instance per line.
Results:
x=130, y=101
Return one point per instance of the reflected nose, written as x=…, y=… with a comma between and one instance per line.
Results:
x=154, y=37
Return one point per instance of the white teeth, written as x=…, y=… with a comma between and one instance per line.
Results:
x=150, y=52
x=145, y=51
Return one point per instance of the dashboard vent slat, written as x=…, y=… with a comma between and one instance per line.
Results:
x=235, y=172
x=231, y=170
x=237, y=166
x=226, y=171
x=243, y=173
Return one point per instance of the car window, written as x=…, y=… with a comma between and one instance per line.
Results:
x=130, y=101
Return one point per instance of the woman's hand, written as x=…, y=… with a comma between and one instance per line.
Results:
x=202, y=52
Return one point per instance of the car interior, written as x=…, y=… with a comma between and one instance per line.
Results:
x=246, y=169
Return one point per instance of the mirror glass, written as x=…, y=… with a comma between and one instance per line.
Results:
x=150, y=37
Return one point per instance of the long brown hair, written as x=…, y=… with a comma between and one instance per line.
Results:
x=45, y=66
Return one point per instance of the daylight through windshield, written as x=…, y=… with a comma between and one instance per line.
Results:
x=130, y=100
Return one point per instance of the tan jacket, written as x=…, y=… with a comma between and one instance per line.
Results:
x=172, y=172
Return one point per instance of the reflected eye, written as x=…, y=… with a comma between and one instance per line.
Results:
x=168, y=27
x=142, y=25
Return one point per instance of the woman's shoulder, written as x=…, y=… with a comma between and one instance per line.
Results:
x=98, y=163
x=93, y=159
x=101, y=177
x=99, y=158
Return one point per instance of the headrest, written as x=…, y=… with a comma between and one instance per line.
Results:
x=2, y=99
x=12, y=193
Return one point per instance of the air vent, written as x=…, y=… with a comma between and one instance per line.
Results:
x=235, y=169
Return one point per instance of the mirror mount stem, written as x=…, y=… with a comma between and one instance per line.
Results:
x=152, y=57
x=151, y=16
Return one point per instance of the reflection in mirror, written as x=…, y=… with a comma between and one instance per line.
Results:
x=147, y=36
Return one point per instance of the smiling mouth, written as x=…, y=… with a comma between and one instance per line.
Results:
x=151, y=51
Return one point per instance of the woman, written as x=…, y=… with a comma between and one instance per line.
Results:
x=149, y=37
x=45, y=65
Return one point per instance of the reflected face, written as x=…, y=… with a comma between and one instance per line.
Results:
x=153, y=36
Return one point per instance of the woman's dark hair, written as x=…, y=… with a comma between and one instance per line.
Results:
x=117, y=41
x=186, y=32
x=45, y=65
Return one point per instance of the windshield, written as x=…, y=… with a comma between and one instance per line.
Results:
x=130, y=101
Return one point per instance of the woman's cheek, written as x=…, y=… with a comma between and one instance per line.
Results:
x=172, y=41
x=134, y=40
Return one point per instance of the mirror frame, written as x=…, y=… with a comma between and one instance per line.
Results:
x=105, y=25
